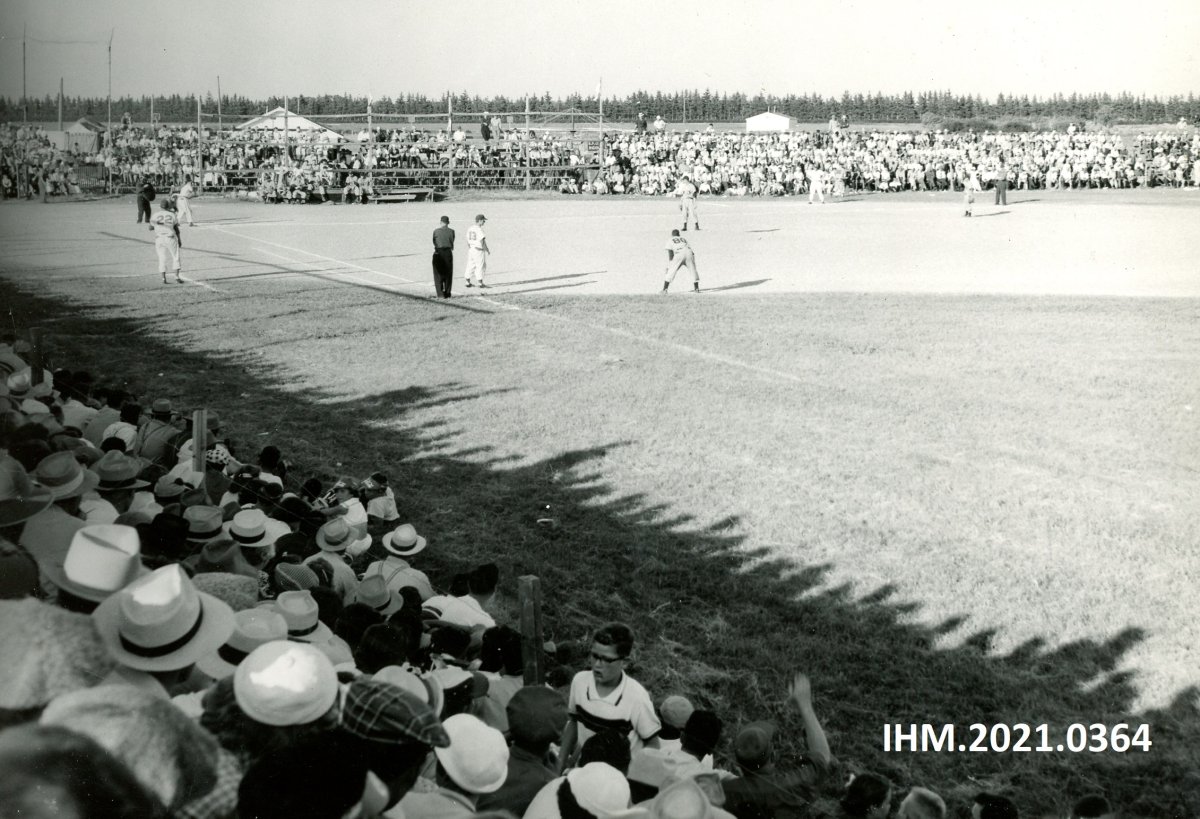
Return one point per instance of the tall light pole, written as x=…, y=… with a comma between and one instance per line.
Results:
x=110, y=39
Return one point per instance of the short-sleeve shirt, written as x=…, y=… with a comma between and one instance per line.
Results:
x=164, y=224
x=678, y=244
x=475, y=237
x=627, y=709
x=443, y=238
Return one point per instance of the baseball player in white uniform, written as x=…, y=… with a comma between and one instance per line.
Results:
x=686, y=191
x=970, y=187
x=477, y=251
x=679, y=254
x=816, y=183
x=166, y=238
x=183, y=202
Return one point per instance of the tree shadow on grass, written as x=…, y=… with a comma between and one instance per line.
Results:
x=716, y=620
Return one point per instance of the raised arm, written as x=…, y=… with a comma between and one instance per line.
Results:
x=800, y=692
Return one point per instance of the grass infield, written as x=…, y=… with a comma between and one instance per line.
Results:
x=946, y=507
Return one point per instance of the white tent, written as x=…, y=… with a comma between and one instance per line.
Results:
x=83, y=135
x=769, y=121
x=273, y=120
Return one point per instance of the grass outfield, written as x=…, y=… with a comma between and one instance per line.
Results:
x=949, y=467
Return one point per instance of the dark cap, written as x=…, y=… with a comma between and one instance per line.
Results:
x=480, y=218
x=445, y=220
x=752, y=745
x=536, y=714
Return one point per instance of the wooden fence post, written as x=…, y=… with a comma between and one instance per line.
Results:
x=529, y=591
x=37, y=364
x=199, y=438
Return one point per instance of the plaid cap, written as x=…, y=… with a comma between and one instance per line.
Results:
x=384, y=712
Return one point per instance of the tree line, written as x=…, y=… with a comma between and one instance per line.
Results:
x=679, y=106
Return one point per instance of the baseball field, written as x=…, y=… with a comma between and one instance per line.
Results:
x=949, y=467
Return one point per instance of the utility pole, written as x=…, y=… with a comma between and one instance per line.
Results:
x=24, y=93
x=110, y=39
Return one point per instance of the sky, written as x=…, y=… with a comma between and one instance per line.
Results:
x=518, y=47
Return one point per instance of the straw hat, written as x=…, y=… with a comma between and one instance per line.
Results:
x=251, y=629
x=403, y=541
x=102, y=560
x=160, y=622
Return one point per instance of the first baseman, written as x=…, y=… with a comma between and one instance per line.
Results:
x=679, y=254
x=477, y=251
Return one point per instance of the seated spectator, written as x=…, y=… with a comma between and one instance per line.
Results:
x=868, y=796
x=992, y=806
x=760, y=786
x=474, y=763
x=651, y=768
x=400, y=544
x=281, y=693
x=114, y=493
x=921, y=803
x=502, y=663
x=47, y=535
x=39, y=763
x=156, y=436
x=673, y=713
x=125, y=427
x=335, y=540
x=303, y=615
x=1093, y=806
x=536, y=717
x=313, y=778
x=102, y=560
x=391, y=732
x=596, y=790
x=381, y=500
x=169, y=754
x=468, y=610
x=157, y=627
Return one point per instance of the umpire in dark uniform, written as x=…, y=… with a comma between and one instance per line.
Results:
x=443, y=258
x=146, y=194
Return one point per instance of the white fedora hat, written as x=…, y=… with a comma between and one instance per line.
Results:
x=102, y=560
x=160, y=622
x=252, y=628
x=403, y=541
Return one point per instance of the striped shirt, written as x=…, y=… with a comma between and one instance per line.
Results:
x=627, y=709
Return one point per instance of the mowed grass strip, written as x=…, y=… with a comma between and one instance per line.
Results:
x=945, y=509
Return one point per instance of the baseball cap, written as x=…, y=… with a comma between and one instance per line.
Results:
x=536, y=714
x=480, y=218
x=675, y=711
x=752, y=745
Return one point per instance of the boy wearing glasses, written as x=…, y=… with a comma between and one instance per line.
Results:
x=605, y=698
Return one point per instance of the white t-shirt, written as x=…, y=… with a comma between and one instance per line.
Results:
x=475, y=237
x=461, y=611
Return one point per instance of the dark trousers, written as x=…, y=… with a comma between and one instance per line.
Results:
x=143, y=208
x=1001, y=191
x=443, y=271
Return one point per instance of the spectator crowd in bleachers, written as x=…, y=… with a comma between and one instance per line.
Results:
x=320, y=166
x=220, y=637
